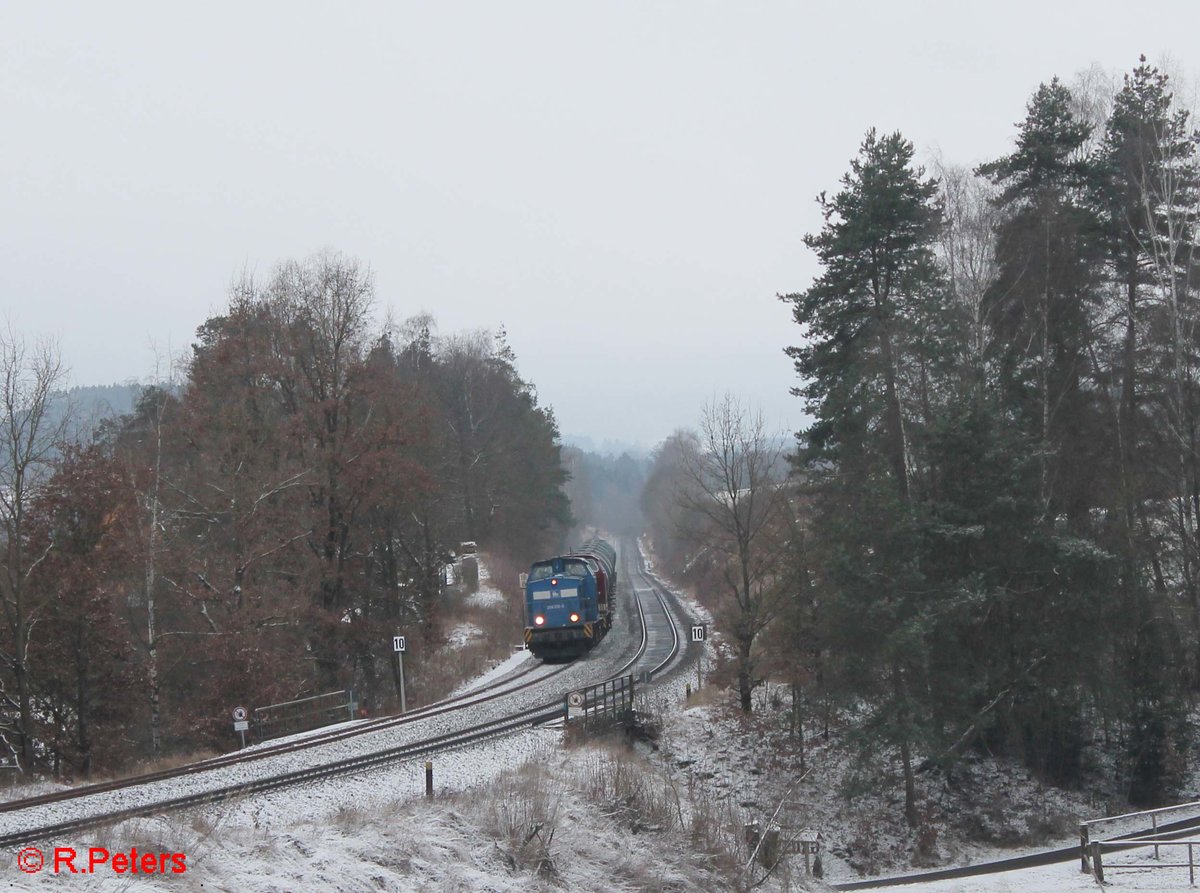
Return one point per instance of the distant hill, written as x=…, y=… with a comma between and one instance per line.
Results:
x=91, y=404
x=608, y=447
x=104, y=400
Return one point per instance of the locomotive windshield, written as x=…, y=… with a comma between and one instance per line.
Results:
x=573, y=567
x=541, y=571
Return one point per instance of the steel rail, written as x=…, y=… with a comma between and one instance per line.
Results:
x=439, y=708
x=645, y=635
x=544, y=713
x=532, y=717
x=522, y=719
x=674, y=630
x=640, y=571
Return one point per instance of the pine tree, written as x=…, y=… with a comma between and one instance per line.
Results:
x=1041, y=307
x=880, y=337
x=878, y=317
x=1146, y=195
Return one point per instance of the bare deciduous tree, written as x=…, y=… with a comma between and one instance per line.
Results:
x=30, y=430
x=967, y=247
x=733, y=493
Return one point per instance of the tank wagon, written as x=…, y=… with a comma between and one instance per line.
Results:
x=570, y=601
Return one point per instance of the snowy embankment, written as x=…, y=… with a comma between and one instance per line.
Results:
x=1065, y=878
x=516, y=813
x=750, y=769
x=522, y=814
x=599, y=664
x=564, y=820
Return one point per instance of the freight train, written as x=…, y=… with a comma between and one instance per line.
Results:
x=570, y=600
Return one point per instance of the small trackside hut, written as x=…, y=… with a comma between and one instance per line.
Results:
x=569, y=601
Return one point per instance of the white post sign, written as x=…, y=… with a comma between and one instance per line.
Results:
x=574, y=705
x=240, y=722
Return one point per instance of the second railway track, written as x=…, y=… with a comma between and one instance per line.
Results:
x=513, y=703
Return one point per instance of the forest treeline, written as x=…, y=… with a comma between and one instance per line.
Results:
x=992, y=535
x=259, y=530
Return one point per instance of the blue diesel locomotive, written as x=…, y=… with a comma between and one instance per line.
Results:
x=569, y=601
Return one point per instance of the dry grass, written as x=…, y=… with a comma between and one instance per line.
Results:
x=144, y=767
x=521, y=816
x=547, y=816
x=500, y=626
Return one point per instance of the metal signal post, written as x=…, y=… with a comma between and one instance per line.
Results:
x=398, y=646
x=700, y=634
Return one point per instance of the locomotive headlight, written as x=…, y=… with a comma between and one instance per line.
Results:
x=539, y=620
x=574, y=618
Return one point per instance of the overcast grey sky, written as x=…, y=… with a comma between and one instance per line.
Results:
x=624, y=186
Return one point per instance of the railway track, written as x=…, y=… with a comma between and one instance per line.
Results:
x=490, y=692
x=47, y=816
x=660, y=633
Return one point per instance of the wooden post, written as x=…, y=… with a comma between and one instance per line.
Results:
x=687, y=693
x=1154, y=825
x=429, y=778
x=1191, y=866
x=1083, y=850
x=1097, y=862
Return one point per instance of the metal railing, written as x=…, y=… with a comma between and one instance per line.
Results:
x=1154, y=815
x=606, y=703
x=303, y=714
x=1098, y=848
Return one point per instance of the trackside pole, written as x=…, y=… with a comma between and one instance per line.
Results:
x=429, y=778
x=403, y=703
x=399, y=646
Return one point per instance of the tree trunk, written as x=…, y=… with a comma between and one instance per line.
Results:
x=24, y=697
x=903, y=716
x=798, y=726
x=893, y=417
x=910, y=783
x=745, y=682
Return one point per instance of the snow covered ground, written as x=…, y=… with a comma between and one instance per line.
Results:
x=524, y=813
x=487, y=595
x=1059, y=879
x=506, y=829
